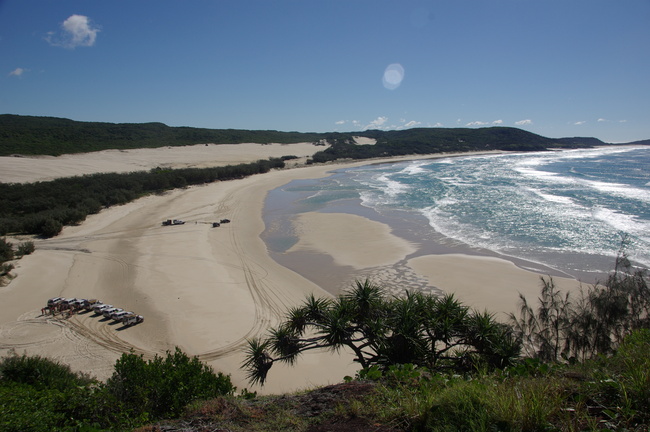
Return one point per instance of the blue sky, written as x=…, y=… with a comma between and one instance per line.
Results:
x=557, y=68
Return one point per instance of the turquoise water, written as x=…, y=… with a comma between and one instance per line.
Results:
x=564, y=209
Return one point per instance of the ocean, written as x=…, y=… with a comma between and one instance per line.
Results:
x=565, y=210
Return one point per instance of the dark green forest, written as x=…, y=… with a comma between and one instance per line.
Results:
x=421, y=141
x=26, y=135
x=53, y=136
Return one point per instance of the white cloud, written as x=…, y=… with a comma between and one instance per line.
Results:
x=340, y=122
x=602, y=120
x=405, y=124
x=75, y=31
x=579, y=123
x=381, y=123
x=17, y=72
x=476, y=123
x=438, y=125
x=497, y=122
x=622, y=121
x=524, y=122
x=377, y=123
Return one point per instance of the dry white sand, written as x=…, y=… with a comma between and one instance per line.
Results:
x=32, y=168
x=204, y=289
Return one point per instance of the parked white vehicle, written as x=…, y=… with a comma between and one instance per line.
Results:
x=77, y=303
x=54, y=301
x=98, y=308
x=107, y=312
x=124, y=317
x=132, y=320
x=89, y=304
x=116, y=316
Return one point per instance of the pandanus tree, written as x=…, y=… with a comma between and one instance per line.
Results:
x=417, y=328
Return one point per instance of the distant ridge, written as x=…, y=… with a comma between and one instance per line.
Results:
x=29, y=135
x=581, y=140
x=642, y=142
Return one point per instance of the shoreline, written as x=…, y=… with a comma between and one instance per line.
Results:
x=203, y=289
x=329, y=248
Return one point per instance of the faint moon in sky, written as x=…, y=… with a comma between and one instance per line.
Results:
x=393, y=76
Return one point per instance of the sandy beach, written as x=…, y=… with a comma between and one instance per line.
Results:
x=204, y=289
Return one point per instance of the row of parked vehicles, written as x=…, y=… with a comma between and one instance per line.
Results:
x=72, y=305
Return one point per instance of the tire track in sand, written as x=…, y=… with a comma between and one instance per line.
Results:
x=267, y=302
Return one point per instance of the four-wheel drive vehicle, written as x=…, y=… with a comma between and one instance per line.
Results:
x=98, y=308
x=88, y=304
x=54, y=301
x=115, y=316
x=107, y=312
x=173, y=222
x=132, y=319
x=77, y=303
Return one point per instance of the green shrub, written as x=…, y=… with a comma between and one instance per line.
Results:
x=51, y=227
x=5, y=269
x=622, y=382
x=25, y=408
x=566, y=328
x=164, y=386
x=6, y=250
x=26, y=248
x=39, y=372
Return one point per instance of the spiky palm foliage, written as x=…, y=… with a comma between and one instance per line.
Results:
x=420, y=329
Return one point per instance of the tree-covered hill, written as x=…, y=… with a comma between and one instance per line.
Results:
x=29, y=135
x=439, y=140
x=55, y=136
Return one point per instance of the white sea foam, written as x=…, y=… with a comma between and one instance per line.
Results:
x=550, y=197
x=526, y=169
x=620, y=190
x=591, y=153
x=368, y=199
x=621, y=221
x=391, y=187
x=414, y=168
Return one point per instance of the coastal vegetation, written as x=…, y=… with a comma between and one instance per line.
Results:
x=9, y=252
x=28, y=135
x=421, y=141
x=39, y=394
x=43, y=208
x=564, y=328
x=424, y=330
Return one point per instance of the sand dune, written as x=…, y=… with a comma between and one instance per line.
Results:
x=36, y=168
